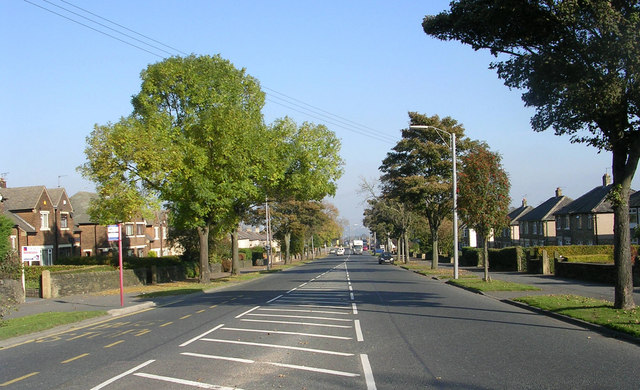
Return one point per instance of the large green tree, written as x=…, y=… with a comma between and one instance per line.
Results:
x=309, y=157
x=418, y=170
x=484, y=195
x=195, y=140
x=578, y=63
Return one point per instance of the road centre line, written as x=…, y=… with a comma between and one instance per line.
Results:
x=322, y=351
x=356, y=324
x=301, y=317
x=351, y=296
x=325, y=336
x=297, y=323
x=306, y=311
x=293, y=289
x=368, y=372
x=183, y=382
x=232, y=359
x=247, y=312
x=355, y=309
x=117, y=377
x=200, y=336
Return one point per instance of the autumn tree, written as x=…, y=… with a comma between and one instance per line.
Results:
x=578, y=63
x=483, y=200
x=418, y=170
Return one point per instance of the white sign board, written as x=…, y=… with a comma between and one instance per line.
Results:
x=32, y=255
x=113, y=232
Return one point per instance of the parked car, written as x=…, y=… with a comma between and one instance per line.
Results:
x=340, y=251
x=332, y=251
x=386, y=257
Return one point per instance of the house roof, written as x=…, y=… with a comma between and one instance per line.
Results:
x=516, y=214
x=21, y=198
x=545, y=211
x=56, y=195
x=80, y=203
x=594, y=201
x=19, y=222
x=634, y=199
x=252, y=236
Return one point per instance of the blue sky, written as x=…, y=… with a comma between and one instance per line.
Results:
x=367, y=62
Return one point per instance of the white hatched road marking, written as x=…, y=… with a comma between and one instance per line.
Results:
x=115, y=378
x=306, y=311
x=323, y=351
x=232, y=359
x=184, y=382
x=297, y=323
x=268, y=331
x=200, y=336
x=300, y=317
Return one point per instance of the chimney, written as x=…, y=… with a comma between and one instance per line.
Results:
x=558, y=192
x=524, y=202
x=606, y=180
x=3, y=183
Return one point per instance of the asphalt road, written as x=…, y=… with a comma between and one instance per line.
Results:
x=339, y=322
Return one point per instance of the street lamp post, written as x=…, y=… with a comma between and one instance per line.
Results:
x=455, y=194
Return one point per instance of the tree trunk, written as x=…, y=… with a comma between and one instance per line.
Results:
x=485, y=254
x=406, y=245
x=434, y=241
x=287, y=248
x=623, y=171
x=203, y=236
x=235, y=258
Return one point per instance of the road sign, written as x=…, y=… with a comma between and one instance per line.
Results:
x=113, y=232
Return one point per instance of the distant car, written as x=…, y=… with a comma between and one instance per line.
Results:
x=386, y=257
x=332, y=251
x=340, y=251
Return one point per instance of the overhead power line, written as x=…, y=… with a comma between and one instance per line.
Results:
x=155, y=48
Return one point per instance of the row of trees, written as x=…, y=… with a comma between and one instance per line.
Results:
x=416, y=185
x=197, y=143
x=578, y=64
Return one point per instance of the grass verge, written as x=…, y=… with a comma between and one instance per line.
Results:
x=35, y=323
x=591, y=310
x=425, y=269
x=477, y=284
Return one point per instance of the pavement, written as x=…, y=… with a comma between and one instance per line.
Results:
x=548, y=284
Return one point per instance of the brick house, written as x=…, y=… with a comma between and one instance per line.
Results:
x=538, y=226
x=588, y=220
x=634, y=210
x=511, y=236
x=140, y=236
x=42, y=219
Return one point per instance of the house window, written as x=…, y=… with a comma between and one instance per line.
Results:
x=590, y=222
x=13, y=242
x=566, y=223
x=64, y=221
x=535, y=227
x=140, y=229
x=633, y=217
x=156, y=230
x=44, y=220
x=128, y=228
x=578, y=222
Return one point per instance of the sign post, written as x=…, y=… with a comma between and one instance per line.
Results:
x=114, y=233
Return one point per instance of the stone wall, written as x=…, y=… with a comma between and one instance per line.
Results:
x=62, y=284
x=11, y=291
